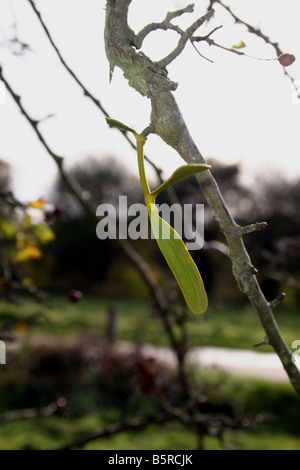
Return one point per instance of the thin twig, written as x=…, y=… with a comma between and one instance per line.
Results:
x=136, y=424
x=164, y=25
x=30, y=413
x=141, y=265
x=186, y=36
x=86, y=92
x=90, y=208
x=258, y=32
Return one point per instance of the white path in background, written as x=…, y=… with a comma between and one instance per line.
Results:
x=241, y=362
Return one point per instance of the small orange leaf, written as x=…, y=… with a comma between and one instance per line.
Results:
x=29, y=252
x=38, y=204
x=21, y=326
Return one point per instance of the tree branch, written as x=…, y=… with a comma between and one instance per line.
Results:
x=141, y=265
x=58, y=159
x=30, y=413
x=136, y=424
x=168, y=123
x=186, y=36
x=86, y=92
x=164, y=25
x=90, y=208
x=258, y=32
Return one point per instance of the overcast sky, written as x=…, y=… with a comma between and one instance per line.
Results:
x=238, y=109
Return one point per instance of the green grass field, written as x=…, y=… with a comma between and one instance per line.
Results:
x=236, y=327
x=281, y=431
x=233, y=328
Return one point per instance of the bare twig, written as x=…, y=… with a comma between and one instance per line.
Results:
x=140, y=264
x=164, y=25
x=86, y=92
x=258, y=32
x=253, y=227
x=90, y=208
x=9, y=198
x=262, y=343
x=136, y=424
x=30, y=413
x=277, y=301
x=186, y=36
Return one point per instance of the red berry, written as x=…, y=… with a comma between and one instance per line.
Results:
x=48, y=216
x=58, y=211
x=286, y=59
x=75, y=296
x=61, y=402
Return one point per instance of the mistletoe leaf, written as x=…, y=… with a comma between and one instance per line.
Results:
x=180, y=262
x=179, y=174
x=120, y=125
x=169, y=241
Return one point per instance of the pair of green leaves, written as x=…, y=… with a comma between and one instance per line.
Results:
x=170, y=243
